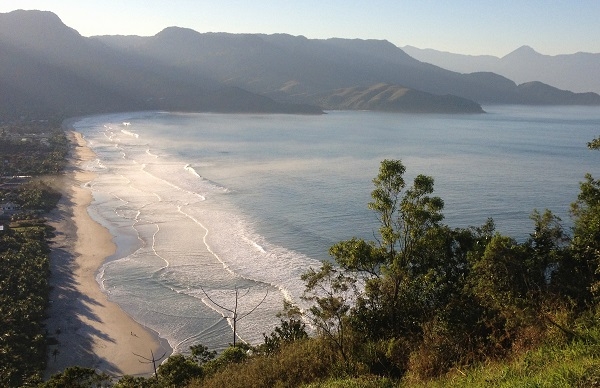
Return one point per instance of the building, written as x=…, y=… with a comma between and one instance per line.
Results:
x=8, y=208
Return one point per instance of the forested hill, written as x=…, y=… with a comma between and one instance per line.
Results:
x=48, y=68
x=298, y=69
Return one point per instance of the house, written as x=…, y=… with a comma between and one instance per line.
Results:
x=8, y=208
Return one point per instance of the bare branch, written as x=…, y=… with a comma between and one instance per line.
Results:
x=255, y=307
x=215, y=303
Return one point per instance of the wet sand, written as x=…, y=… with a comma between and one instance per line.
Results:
x=88, y=329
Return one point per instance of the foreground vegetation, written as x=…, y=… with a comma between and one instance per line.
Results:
x=425, y=305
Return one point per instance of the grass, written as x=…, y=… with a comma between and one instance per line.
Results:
x=573, y=365
x=559, y=363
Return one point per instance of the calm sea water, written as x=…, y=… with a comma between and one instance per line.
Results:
x=203, y=204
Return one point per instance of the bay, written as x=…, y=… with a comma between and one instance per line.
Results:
x=202, y=205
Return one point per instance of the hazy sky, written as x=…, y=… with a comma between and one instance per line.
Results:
x=494, y=27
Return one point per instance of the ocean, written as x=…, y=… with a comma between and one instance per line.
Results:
x=204, y=207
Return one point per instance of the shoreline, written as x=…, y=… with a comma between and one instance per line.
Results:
x=85, y=328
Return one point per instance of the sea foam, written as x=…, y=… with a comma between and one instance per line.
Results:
x=188, y=246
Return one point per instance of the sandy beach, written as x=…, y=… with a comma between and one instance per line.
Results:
x=88, y=329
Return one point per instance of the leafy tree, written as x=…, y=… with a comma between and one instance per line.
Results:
x=37, y=196
x=78, y=377
x=137, y=382
x=583, y=266
x=412, y=270
x=400, y=268
x=201, y=354
x=291, y=329
x=499, y=277
x=332, y=293
x=178, y=370
x=24, y=271
x=232, y=355
x=547, y=249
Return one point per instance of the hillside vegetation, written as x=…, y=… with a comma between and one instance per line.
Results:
x=29, y=150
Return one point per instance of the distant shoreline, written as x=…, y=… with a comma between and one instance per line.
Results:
x=90, y=330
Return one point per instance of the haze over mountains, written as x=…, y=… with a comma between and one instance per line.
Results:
x=579, y=72
x=48, y=68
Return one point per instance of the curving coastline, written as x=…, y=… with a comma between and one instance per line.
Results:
x=90, y=330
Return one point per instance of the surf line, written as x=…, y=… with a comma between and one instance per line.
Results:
x=154, y=250
x=208, y=248
x=143, y=168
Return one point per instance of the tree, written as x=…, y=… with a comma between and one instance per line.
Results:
x=78, y=377
x=235, y=317
x=547, y=249
x=152, y=360
x=581, y=270
x=201, y=354
x=177, y=370
x=500, y=281
x=291, y=329
x=400, y=267
x=385, y=290
x=332, y=293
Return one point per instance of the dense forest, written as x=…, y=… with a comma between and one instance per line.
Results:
x=423, y=304
x=32, y=150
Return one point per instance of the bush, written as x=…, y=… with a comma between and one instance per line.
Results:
x=296, y=363
x=178, y=370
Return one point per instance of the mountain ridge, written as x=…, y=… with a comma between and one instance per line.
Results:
x=53, y=66
x=315, y=66
x=48, y=68
x=578, y=72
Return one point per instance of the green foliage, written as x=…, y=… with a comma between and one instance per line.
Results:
x=230, y=356
x=201, y=354
x=594, y=144
x=178, y=370
x=290, y=330
x=585, y=261
x=551, y=364
x=332, y=292
x=295, y=364
x=37, y=195
x=138, y=382
x=500, y=281
x=78, y=377
x=24, y=271
x=435, y=298
x=43, y=152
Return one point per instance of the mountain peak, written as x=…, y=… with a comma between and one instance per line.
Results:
x=32, y=27
x=177, y=33
x=523, y=51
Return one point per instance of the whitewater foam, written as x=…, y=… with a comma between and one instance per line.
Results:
x=139, y=192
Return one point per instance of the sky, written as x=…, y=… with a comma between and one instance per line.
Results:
x=474, y=27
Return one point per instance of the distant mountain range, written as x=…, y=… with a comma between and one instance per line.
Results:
x=48, y=68
x=579, y=72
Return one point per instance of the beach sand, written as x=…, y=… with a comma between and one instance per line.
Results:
x=89, y=330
